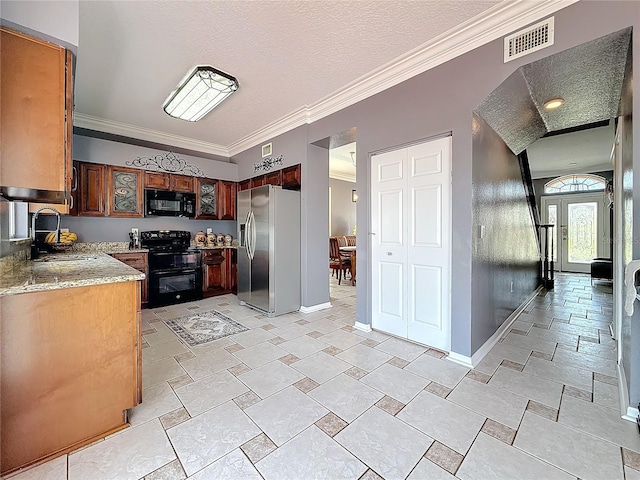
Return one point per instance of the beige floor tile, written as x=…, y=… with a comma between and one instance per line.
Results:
x=442, y=420
x=346, y=397
x=259, y=447
x=439, y=370
x=490, y=458
x=131, y=454
x=285, y=414
x=489, y=401
x=170, y=471
x=599, y=421
x=55, y=469
x=234, y=465
x=387, y=445
x=364, y=357
x=211, y=391
x=208, y=437
x=270, y=378
x=401, y=348
x=578, y=453
x=426, y=469
x=157, y=401
x=311, y=451
x=397, y=383
x=532, y=387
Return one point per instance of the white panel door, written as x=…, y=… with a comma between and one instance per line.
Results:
x=410, y=219
x=389, y=253
x=428, y=183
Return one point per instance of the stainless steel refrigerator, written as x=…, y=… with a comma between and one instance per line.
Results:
x=269, y=249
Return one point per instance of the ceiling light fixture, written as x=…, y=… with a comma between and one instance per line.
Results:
x=353, y=160
x=199, y=92
x=553, y=103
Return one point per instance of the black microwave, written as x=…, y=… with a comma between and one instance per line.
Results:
x=169, y=204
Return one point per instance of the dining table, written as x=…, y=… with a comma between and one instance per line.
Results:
x=351, y=250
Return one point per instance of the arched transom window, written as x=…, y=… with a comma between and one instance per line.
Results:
x=575, y=183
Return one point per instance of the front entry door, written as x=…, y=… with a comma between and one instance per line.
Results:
x=410, y=218
x=582, y=229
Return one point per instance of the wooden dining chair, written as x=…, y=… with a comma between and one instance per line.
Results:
x=337, y=263
x=351, y=240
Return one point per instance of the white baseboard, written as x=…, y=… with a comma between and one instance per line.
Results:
x=463, y=360
x=363, y=327
x=476, y=358
x=627, y=412
x=315, y=308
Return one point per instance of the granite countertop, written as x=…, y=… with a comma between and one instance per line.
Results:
x=66, y=270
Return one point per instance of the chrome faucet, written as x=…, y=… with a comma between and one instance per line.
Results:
x=34, y=248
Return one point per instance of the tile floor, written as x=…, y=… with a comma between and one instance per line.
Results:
x=307, y=396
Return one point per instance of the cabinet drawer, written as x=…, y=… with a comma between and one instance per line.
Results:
x=206, y=254
x=132, y=259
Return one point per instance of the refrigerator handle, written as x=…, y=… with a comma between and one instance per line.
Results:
x=253, y=235
x=247, y=233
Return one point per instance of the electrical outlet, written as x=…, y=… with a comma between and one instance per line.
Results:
x=64, y=230
x=134, y=231
x=209, y=230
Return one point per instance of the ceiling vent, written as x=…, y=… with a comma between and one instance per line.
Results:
x=529, y=40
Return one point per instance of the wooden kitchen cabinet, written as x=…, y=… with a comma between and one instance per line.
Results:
x=70, y=369
x=157, y=180
x=244, y=185
x=91, y=190
x=258, y=181
x=273, y=178
x=139, y=261
x=168, y=181
x=125, y=193
x=36, y=115
x=226, y=200
x=181, y=183
x=206, y=199
x=214, y=272
x=218, y=271
x=291, y=177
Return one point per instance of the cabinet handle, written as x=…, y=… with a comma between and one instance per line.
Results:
x=71, y=203
x=74, y=179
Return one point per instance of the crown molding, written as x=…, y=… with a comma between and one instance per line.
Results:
x=497, y=21
x=116, y=128
x=343, y=177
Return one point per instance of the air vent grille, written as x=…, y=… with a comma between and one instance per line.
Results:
x=529, y=40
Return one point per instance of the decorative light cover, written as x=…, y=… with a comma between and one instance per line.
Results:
x=199, y=92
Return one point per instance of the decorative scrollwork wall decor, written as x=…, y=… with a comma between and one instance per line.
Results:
x=267, y=164
x=168, y=162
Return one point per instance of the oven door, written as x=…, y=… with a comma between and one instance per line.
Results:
x=174, y=260
x=174, y=286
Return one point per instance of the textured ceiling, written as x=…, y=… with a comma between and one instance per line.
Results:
x=285, y=54
x=578, y=152
x=589, y=77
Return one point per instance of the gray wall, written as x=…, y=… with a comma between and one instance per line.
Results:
x=631, y=226
x=90, y=229
x=95, y=150
x=54, y=20
x=505, y=267
x=438, y=101
x=295, y=148
x=343, y=210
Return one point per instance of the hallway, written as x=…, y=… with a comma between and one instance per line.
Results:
x=306, y=396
